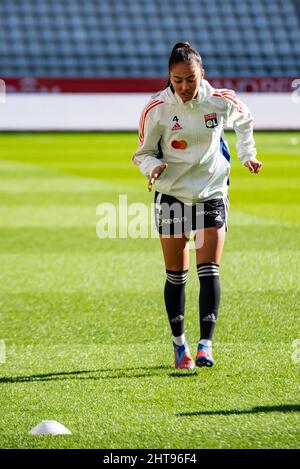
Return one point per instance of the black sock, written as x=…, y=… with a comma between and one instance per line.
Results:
x=175, y=299
x=209, y=298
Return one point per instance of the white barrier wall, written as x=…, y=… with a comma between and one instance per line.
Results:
x=25, y=112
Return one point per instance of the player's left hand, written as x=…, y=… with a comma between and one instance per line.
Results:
x=253, y=165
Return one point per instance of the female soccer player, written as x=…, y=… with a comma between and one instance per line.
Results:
x=183, y=151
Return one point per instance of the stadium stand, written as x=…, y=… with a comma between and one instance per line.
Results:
x=132, y=38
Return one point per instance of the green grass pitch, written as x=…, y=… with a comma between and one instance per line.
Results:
x=86, y=337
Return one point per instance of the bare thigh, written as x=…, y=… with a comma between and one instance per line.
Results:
x=209, y=243
x=176, y=252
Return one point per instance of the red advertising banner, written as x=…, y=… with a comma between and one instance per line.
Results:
x=138, y=85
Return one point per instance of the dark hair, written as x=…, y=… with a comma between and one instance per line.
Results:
x=184, y=52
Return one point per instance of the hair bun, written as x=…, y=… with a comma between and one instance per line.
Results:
x=181, y=45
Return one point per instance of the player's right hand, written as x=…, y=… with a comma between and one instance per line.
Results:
x=155, y=173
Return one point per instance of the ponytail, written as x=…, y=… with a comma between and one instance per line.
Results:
x=184, y=52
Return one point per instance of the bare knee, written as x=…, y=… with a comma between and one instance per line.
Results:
x=176, y=253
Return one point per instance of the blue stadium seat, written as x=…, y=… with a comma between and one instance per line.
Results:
x=134, y=37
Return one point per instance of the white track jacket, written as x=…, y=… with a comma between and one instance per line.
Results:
x=189, y=137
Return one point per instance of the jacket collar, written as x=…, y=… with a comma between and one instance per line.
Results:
x=205, y=92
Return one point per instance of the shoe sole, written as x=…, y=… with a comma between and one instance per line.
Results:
x=204, y=363
x=185, y=368
x=192, y=367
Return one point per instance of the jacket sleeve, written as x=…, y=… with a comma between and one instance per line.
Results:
x=149, y=135
x=240, y=118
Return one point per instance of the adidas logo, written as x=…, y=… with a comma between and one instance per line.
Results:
x=210, y=318
x=218, y=218
x=176, y=126
x=177, y=319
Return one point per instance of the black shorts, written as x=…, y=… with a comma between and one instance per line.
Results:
x=173, y=217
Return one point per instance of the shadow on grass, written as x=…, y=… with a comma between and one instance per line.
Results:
x=183, y=373
x=105, y=373
x=254, y=410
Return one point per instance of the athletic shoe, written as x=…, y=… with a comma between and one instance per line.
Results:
x=204, y=356
x=183, y=358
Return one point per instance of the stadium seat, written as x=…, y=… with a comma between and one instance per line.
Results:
x=136, y=36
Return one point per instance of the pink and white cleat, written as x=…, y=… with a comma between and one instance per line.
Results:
x=183, y=358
